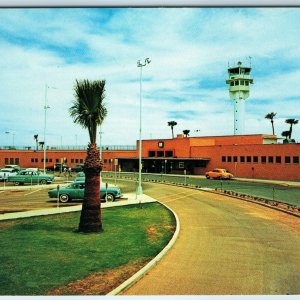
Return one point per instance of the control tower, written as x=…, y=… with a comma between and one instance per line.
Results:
x=239, y=80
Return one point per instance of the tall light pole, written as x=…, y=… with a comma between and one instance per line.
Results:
x=45, y=122
x=13, y=137
x=139, y=190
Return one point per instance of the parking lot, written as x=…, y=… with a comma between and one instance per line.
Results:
x=15, y=199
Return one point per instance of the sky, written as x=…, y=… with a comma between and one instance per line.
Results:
x=45, y=50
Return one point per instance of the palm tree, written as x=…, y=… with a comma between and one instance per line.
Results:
x=36, y=138
x=291, y=122
x=89, y=111
x=271, y=116
x=172, y=124
x=186, y=132
x=285, y=134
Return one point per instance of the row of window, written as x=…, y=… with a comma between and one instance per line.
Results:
x=239, y=82
x=160, y=153
x=263, y=159
x=16, y=161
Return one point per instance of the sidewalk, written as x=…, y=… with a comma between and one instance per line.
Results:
x=126, y=200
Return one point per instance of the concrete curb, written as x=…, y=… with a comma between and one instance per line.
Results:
x=128, y=199
x=133, y=279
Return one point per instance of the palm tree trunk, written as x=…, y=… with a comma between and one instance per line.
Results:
x=273, y=127
x=90, y=219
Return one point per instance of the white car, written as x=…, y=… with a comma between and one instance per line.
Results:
x=6, y=172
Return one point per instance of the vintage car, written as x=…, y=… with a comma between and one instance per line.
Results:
x=31, y=177
x=6, y=172
x=75, y=190
x=78, y=168
x=80, y=176
x=218, y=174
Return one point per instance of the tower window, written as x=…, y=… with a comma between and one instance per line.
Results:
x=247, y=82
x=231, y=83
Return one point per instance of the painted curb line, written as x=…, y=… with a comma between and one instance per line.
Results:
x=133, y=279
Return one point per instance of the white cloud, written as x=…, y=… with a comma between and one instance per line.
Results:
x=189, y=50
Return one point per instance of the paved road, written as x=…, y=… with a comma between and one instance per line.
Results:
x=225, y=247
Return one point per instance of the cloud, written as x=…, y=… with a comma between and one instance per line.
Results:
x=189, y=48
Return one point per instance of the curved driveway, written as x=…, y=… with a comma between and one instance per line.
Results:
x=225, y=247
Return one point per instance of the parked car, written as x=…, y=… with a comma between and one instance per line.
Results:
x=58, y=167
x=80, y=176
x=77, y=168
x=30, y=176
x=6, y=172
x=218, y=174
x=75, y=190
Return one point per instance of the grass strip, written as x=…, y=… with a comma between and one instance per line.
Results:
x=43, y=254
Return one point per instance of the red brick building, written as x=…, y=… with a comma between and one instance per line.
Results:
x=249, y=156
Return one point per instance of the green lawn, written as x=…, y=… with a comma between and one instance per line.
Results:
x=42, y=253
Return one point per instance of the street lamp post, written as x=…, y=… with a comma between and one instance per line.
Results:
x=13, y=137
x=45, y=122
x=139, y=190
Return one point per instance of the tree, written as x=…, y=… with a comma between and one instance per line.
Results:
x=271, y=116
x=186, y=132
x=42, y=144
x=285, y=134
x=172, y=124
x=89, y=111
x=36, y=138
x=291, y=122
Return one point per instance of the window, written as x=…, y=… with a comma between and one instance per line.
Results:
x=17, y=161
x=76, y=160
x=242, y=159
x=270, y=159
x=235, y=159
x=81, y=161
x=296, y=159
x=287, y=159
x=72, y=160
x=57, y=160
x=249, y=159
x=151, y=153
x=223, y=158
x=160, y=153
x=231, y=83
x=278, y=159
x=242, y=82
x=169, y=153
x=255, y=159
x=32, y=160
x=105, y=161
x=11, y=161
x=263, y=159
x=229, y=158
x=247, y=82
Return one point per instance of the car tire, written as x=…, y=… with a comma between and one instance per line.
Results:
x=17, y=183
x=110, y=198
x=43, y=181
x=64, y=198
x=207, y=176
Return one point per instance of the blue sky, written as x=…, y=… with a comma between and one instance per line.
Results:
x=189, y=48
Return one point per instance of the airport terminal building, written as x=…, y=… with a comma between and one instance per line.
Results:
x=245, y=156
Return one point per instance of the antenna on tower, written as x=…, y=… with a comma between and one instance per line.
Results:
x=250, y=60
